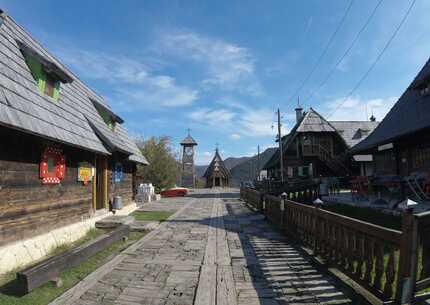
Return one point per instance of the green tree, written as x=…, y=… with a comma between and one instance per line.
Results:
x=163, y=170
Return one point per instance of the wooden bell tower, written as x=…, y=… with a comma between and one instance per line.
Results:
x=188, y=178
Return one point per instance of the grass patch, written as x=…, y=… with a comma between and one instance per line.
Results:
x=152, y=215
x=48, y=292
x=367, y=214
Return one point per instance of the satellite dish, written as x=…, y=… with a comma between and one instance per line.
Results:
x=318, y=201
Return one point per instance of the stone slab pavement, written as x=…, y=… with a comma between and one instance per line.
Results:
x=212, y=251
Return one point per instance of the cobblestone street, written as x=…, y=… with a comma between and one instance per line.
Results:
x=213, y=250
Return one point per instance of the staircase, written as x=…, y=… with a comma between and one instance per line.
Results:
x=336, y=165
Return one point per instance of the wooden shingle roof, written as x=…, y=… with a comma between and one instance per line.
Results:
x=411, y=113
x=217, y=164
x=188, y=140
x=67, y=120
x=353, y=132
x=350, y=132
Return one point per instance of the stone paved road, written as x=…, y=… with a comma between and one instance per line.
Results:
x=213, y=251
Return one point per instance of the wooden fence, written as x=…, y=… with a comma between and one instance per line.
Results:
x=391, y=264
x=423, y=253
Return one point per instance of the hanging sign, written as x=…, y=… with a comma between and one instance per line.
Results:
x=118, y=172
x=52, y=166
x=85, y=173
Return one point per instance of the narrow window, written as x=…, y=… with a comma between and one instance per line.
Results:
x=46, y=83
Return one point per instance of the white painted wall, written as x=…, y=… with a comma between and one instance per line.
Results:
x=24, y=252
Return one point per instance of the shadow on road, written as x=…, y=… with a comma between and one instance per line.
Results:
x=279, y=271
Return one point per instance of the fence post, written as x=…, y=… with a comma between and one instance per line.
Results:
x=264, y=206
x=408, y=259
x=282, y=207
x=314, y=228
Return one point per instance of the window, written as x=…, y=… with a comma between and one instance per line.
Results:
x=46, y=82
x=420, y=158
x=107, y=118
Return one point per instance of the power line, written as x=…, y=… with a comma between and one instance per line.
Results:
x=333, y=69
x=376, y=60
x=311, y=72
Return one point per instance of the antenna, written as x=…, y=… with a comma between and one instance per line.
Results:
x=189, y=131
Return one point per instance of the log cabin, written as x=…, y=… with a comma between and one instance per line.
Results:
x=316, y=147
x=217, y=174
x=64, y=153
x=399, y=148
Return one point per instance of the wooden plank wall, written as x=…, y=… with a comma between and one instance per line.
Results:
x=125, y=187
x=28, y=208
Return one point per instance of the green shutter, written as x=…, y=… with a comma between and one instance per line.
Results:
x=56, y=95
x=37, y=72
x=107, y=118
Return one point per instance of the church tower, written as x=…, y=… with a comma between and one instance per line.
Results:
x=188, y=171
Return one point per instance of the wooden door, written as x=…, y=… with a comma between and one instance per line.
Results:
x=101, y=183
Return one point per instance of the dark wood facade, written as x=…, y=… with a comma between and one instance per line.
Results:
x=316, y=147
x=29, y=208
x=408, y=155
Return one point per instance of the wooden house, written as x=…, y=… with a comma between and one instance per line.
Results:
x=64, y=153
x=400, y=146
x=217, y=174
x=316, y=147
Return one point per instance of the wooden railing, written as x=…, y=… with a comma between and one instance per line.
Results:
x=423, y=251
x=393, y=265
x=252, y=197
x=302, y=191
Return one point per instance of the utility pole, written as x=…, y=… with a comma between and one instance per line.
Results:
x=258, y=163
x=280, y=146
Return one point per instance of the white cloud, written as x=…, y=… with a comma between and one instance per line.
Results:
x=214, y=117
x=260, y=122
x=235, y=136
x=239, y=122
x=204, y=158
x=358, y=109
x=130, y=78
x=228, y=66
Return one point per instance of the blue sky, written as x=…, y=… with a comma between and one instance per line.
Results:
x=222, y=68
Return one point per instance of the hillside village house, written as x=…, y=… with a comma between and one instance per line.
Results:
x=399, y=148
x=64, y=153
x=316, y=147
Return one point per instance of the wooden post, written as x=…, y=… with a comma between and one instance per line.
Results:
x=105, y=184
x=282, y=208
x=316, y=232
x=94, y=185
x=408, y=259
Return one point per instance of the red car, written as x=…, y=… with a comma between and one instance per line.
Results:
x=175, y=192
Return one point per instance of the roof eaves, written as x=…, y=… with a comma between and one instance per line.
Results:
x=98, y=104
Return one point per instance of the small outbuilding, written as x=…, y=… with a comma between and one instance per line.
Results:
x=217, y=174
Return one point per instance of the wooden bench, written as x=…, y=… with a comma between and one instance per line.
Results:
x=50, y=269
